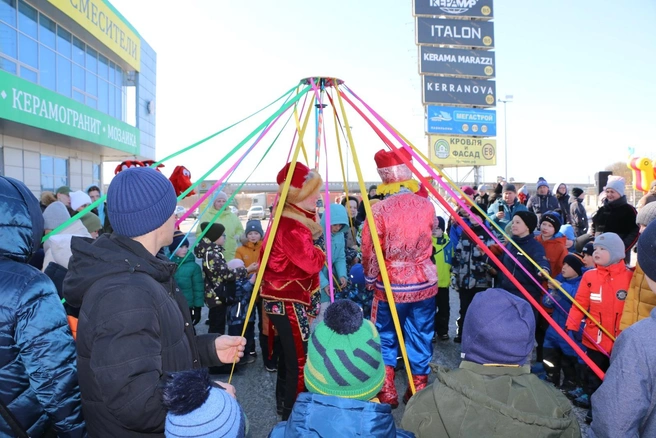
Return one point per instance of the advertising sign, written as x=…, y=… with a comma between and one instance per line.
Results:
x=104, y=22
x=462, y=33
x=24, y=102
x=481, y=9
x=462, y=151
x=449, y=91
x=456, y=62
x=461, y=121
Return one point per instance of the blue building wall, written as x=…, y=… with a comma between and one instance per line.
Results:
x=146, y=91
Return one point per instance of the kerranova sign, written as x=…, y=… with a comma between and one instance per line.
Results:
x=460, y=33
x=24, y=102
x=448, y=91
x=101, y=20
x=481, y=9
x=450, y=151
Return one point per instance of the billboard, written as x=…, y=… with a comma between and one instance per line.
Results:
x=461, y=121
x=450, y=151
x=481, y=9
x=461, y=33
x=450, y=91
x=102, y=21
x=456, y=62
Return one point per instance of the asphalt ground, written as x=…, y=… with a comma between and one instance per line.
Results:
x=256, y=387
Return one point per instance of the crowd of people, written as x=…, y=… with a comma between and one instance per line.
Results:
x=99, y=320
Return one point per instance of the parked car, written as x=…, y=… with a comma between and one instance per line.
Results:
x=194, y=214
x=234, y=210
x=256, y=212
x=180, y=210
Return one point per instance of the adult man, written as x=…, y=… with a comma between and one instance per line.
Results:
x=617, y=216
x=404, y=225
x=63, y=195
x=502, y=210
x=231, y=222
x=543, y=201
x=101, y=209
x=482, y=198
x=37, y=358
x=134, y=326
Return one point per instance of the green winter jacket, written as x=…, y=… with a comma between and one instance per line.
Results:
x=489, y=401
x=189, y=277
x=233, y=229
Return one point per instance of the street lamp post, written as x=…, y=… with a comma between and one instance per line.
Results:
x=507, y=99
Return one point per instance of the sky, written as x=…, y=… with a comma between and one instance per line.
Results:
x=581, y=76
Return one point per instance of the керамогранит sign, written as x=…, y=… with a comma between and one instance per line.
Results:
x=462, y=151
x=461, y=33
x=461, y=121
x=481, y=9
x=449, y=91
x=24, y=102
x=456, y=62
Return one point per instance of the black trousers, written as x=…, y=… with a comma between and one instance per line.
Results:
x=442, y=312
x=554, y=361
x=235, y=330
x=603, y=362
x=466, y=297
x=291, y=360
x=217, y=317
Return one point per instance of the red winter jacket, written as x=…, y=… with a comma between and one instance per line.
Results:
x=602, y=292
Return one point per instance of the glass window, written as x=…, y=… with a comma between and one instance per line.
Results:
x=27, y=17
x=64, y=83
x=92, y=60
x=78, y=51
x=102, y=66
x=111, y=72
x=118, y=75
x=61, y=167
x=92, y=84
x=103, y=100
x=78, y=96
x=47, y=68
x=48, y=182
x=95, y=173
x=47, y=30
x=63, y=42
x=8, y=43
x=118, y=112
x=7, y=65
x=92, y=102
x=78, y=77
x=8, y=11
x=54, y=172
x=28, y=51
x=111, y=105
x=28, y=74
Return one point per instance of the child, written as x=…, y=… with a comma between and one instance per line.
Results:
x=240, y=292
x=602, y=293
x=442, y=255
x=554, y=243
x=356, y=291
x=339, y=228
x=343, y=373
x=586, y=252
x=623, y=404
x=199, y=407
x=557, y=354
x=188, y=276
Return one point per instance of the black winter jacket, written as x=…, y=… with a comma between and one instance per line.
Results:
x=579, y=217
x=617, y=217
x=134, y=329
x=38, y=377
x=540, y=204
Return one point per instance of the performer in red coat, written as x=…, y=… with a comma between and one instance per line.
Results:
x=290, y=284
x=404, y=223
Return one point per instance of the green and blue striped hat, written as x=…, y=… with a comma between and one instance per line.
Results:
x=344, y=357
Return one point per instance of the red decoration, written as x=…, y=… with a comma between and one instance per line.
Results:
x=181, y=180
x=385, y=158
x=149, y=163
x=301, y=172
x=127, y=164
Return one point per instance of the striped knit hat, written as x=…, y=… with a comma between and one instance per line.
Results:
x=344, y=357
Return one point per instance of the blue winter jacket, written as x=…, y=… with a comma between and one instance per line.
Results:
x=508, y=210
x=625, y=404
x=338, y=216
x=38, y=374
x=533, y=249
x=552, y=338
x=317, y=415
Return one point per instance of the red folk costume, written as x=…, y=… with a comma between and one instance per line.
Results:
x=290, y=283
x=404, y=223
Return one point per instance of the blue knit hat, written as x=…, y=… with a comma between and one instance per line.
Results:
x=198, y=408
x=139, y=200
x=254, y=225
x=499, y=329
x=357, y=274
x=179, y=240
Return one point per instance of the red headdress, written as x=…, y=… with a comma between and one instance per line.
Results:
x=304, y=182
x=393, y=171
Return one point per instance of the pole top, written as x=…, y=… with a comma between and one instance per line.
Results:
x=325, y=81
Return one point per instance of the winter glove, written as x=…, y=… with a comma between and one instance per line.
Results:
x=195, y=315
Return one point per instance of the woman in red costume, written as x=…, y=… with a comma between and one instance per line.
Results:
x=404, y=224
x=290, y=284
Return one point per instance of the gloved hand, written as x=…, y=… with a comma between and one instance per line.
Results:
x=195, y=315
